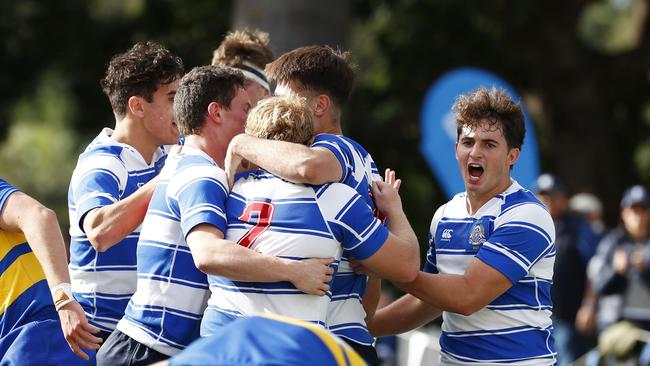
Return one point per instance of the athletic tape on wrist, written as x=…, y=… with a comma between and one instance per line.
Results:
x=62, y=295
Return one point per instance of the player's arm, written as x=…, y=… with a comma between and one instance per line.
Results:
x=40, y=227
x=107, y=225
x=402, y=315
x=214, y=255
x=464, y=294
x=294, y=162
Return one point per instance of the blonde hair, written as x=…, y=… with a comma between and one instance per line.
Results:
x=244, y=46
x=283, y=119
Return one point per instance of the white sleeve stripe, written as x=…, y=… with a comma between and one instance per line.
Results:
x=209, y=179
x=202, y=208
x=515, y=253
x=546, y=251
x=102, y=171
x=92, y=195
x=362, y=239
x=529, y=227
x=347, y=207
x=507, y=253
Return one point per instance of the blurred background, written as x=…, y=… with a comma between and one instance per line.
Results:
x=581, y=68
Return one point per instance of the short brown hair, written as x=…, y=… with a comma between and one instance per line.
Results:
x=281, y=118
x=200, y=87
x=246, y=45
x=140, y=71
x=497, y=107
x=316, y=68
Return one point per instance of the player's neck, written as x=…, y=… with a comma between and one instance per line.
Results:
x=476, y=200
x=329, y=125
x=132, y=133
x=208, y=144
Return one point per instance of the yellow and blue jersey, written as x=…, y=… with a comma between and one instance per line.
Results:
x=24, y=293
x=269, y=340
x=30, y=332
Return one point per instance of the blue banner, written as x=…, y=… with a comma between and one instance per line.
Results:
x=438, y=127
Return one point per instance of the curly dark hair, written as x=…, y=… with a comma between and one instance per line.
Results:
x=140, y=71
x=246, y=45
x=200, y=87
x=497, y=107
x=319, y=69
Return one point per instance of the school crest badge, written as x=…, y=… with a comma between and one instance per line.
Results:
x=477, y=235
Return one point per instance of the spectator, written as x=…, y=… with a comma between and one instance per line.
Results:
x=620, y=269
x=575, y=244
x=589, y=206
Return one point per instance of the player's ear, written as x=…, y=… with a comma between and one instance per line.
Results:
x=214, y=112
x=135, y=106
x=320, y=104
x=513, y=155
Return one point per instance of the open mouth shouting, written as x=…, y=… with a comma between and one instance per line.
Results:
x=475, y=171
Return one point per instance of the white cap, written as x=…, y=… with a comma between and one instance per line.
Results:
x=585, y=203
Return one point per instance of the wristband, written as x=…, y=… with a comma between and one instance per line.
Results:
x=62, y=295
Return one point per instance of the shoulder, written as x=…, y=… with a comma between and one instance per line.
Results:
x=193, y=168
x=335, y=192
x=334, y=197
x=102, y=156
x=521, y=207
x=614, y=237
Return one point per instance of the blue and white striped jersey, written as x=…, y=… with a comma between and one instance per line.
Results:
x=346, y=316
x=106, y=172
x=166, y=310
x=513, y=233
x=282, y=219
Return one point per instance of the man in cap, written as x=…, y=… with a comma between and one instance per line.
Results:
x=575, y=245
x=620, y=269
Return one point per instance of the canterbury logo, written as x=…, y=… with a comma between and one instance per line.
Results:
x=446, y=234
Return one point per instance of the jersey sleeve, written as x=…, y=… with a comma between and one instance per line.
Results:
x=351, y=221
x=521, y=237
x=6, y=190
x=343, y=154
x=430, y=263
x=201, y=193
x=99, y=181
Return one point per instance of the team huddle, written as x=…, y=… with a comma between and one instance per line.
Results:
x=225, y=219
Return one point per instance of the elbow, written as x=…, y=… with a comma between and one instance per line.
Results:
x=467, y=309
x=98, y=239
x=202, y=263
x=207, y=264
x=468, y=305
x=407, y=274
x=45, y=216
x=98, y=235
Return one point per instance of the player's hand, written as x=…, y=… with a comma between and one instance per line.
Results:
x=231, y=162
x=391, y=178
x=77, y=331
x=386, y=195
x=358, y=268
x=312, y=275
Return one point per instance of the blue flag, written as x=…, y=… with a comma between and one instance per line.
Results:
x=438, y=125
